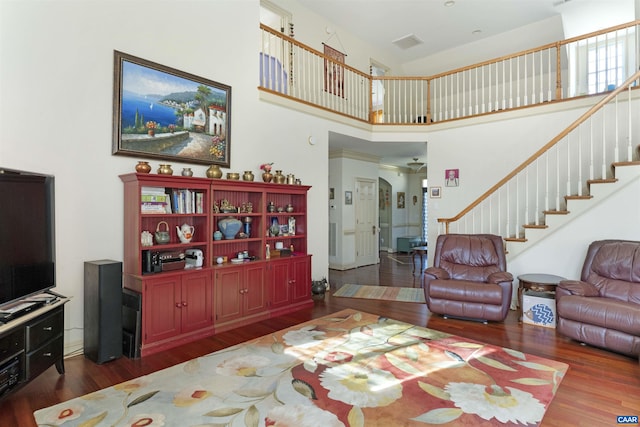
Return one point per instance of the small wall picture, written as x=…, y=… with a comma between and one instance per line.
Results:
x=451, y=177
x=400, y=199
x=348, y=198
x=434, y=192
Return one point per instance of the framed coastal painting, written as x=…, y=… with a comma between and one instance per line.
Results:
x=163, y=113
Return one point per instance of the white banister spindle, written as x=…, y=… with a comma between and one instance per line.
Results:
x=526, y=196
x=580, y=163
x=557, y=180
x=533, y=77
x=616, y=154
x=546, y=181
x=477, y=93
x=518, y=84
x=457, y=95
x=549, y=85
x=507, y=231
x=568, y=190
x=483, y=103
x=591, y=160
x=629, y=138
x=537, y=163
x=604, y=147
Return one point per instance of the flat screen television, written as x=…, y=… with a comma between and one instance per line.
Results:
x=27, y=235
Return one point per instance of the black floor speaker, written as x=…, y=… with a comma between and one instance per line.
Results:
x=102, y=310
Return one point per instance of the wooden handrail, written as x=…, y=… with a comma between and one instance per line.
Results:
x=541, y=151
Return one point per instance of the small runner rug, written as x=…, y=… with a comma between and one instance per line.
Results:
x=387, y=293
x=349, y=369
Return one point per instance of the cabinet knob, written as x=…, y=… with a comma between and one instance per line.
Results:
x=47, y=328
x=184, y=303
x=47, y=354
x=178, y=305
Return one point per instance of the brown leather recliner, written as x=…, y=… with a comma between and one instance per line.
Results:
x=469, y=279
x=603, y=307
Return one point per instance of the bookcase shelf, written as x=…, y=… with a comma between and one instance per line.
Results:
x=183, y=305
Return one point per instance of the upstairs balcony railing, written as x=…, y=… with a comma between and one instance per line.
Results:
x=595, y=63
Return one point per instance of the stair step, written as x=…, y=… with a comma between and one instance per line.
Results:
x=578, y=197
x=602, y=181
x=535, y=226
x=631, y=163
x=555, y=212
x=515, y=239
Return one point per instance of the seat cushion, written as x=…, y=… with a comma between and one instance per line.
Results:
x=463, y=290
x=604, y=312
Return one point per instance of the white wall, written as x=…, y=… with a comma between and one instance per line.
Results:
x=56, y=89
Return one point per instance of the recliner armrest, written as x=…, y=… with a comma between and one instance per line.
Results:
x=578, y=287
x=437, y=273
x=500, y=276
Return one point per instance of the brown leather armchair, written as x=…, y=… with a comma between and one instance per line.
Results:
x=603, y=307
x=469, y=279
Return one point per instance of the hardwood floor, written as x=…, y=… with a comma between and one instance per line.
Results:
x=599, y=385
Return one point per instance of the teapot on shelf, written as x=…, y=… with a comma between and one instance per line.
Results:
x=185, y=232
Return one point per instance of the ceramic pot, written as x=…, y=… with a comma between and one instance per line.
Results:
x=267, y=176
x=247, y=176
x=143, y=167
x=187, y=172
x=217, y=235
x=229, y=227
x=279, y=178
x=289, y=208
x=162, y=236
x=165, y=170
x=214, y=172
x=318, y=287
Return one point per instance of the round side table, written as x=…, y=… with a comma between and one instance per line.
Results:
x=538, y=282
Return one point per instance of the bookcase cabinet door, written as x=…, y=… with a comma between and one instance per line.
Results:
x=161, y=309
x=197, y=301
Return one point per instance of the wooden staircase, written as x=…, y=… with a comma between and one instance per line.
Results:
x=624, y=173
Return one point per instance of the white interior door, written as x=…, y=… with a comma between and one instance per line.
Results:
x=366, y=207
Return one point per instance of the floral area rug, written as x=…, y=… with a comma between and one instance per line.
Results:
x=348, y=369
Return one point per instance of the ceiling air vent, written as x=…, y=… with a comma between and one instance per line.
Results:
x=407, y=41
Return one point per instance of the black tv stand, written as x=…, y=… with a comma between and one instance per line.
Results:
x=30, y=342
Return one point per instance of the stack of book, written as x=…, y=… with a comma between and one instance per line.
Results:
x=154, y=200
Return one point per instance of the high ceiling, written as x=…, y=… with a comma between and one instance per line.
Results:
x=441, y=27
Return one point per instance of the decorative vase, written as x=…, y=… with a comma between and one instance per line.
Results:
x=274, y=229
x=229, y=227
x=217, y=235
x=267, y=176
x=247, y=176
x=187, y=172
x=165, y=170
x=152, y=132
x=278, y=178
x=143, y=167
x=318, y=287
x=289, y=208
x=214, y=172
